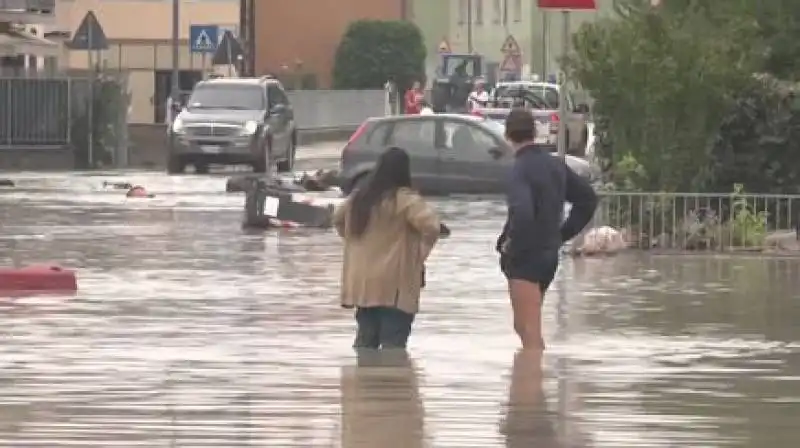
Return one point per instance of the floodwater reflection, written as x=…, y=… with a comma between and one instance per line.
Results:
x=381, y=403
x=188, y=332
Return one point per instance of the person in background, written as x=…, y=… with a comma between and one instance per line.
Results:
x=388, y=232
x=479, y=97
x=534, y=231
x=413, y=99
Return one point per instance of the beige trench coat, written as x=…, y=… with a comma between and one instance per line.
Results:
x=383, y=267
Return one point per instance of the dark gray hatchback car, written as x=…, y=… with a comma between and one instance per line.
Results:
x=234, y=121
x=450, y=153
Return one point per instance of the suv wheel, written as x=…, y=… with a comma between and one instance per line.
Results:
x=260, y=164
x=175, y=165
x=285, y=166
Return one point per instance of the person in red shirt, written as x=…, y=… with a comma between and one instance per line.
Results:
x=413, y=99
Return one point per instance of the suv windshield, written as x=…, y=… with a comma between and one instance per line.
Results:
x=547, y=97
x=231, y=96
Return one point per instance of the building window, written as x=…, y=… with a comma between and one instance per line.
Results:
x=505, y=12
x=463, y=7
x=498, y=11
x=478, y=11
x=518, y=10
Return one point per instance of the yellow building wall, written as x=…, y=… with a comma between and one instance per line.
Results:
x=139, y=34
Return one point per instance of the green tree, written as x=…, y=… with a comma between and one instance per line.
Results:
x=663, y=80
x=374, y=51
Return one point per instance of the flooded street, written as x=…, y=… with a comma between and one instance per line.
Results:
x=188, y=332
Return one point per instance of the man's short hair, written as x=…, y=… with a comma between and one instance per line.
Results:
x=520, y=125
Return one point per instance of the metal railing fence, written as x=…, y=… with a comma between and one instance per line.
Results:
x=697, y=221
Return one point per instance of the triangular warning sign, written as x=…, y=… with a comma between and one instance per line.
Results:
x=444, y=46
x=510, y=64
x=89, y=35
x=228, y=51
x=510, y=46
x=204, y=41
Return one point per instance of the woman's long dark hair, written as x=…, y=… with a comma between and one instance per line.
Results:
x=392, y=172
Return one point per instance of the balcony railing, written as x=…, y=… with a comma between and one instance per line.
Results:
x=28, y=11
x=28, y=6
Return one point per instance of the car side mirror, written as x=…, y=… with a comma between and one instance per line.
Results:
x=582, y=108
x=277, y=109
x=496, y=152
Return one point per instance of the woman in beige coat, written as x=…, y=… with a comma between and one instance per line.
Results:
x=388, y=231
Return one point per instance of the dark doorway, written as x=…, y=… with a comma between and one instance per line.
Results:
x=163, y=83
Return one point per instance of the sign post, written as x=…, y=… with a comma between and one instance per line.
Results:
x=565, y=6
x=90, y=37
x=228, y=52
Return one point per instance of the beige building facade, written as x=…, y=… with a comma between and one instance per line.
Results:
x=139, y=34
x=482, y=26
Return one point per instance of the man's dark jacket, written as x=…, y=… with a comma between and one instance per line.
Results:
x=539, y=186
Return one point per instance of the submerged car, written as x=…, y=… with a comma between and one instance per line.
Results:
x=450, y=153
x=234, y=121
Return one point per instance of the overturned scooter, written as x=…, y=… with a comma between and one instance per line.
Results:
x=268, y=204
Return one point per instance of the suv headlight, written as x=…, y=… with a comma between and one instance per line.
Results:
x=250, y=127
x=177, y=126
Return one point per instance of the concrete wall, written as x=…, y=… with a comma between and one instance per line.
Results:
x=303, y=35
x=321, y=116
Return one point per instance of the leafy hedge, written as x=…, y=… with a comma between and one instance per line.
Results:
x=372, y=52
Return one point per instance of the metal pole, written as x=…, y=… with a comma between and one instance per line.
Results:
x=545, y=38
x=469, y=26
x=176, y=61
x=90, y=111
x=564, y=86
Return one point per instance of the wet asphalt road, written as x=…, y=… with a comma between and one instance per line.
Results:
x=188, y=332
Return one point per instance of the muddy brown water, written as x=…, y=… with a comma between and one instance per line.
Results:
x=188, y=332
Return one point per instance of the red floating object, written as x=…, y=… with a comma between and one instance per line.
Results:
x=37, y=279
x=568, y=4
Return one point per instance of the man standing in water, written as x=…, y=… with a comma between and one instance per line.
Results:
x=531, y=240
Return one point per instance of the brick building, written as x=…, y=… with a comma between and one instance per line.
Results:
x=301, y=36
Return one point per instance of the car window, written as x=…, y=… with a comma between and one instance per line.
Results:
x=377, y=138
x=465, y=137
x=413, y=136
x=276, y=95
x=232, y=96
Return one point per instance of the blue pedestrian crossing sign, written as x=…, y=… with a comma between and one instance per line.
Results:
x=203, y=38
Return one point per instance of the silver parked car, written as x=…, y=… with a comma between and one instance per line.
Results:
x=450, y=153
x=233, y=121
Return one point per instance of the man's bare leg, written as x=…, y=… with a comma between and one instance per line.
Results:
x=526, y=303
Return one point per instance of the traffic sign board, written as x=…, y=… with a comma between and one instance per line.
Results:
x=203, y=38
x=89, y=35
x=567, y=4
x=510, y=46
x=229, y=50
x=444, y=46
x=511, y=63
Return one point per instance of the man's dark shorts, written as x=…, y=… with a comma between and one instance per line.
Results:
x=538, y=268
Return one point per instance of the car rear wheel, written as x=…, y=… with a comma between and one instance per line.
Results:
x=285, y=166
x=175, y=165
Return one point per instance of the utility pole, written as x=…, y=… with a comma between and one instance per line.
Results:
x=563, y=88
x=176, y=47
x=470, y=48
